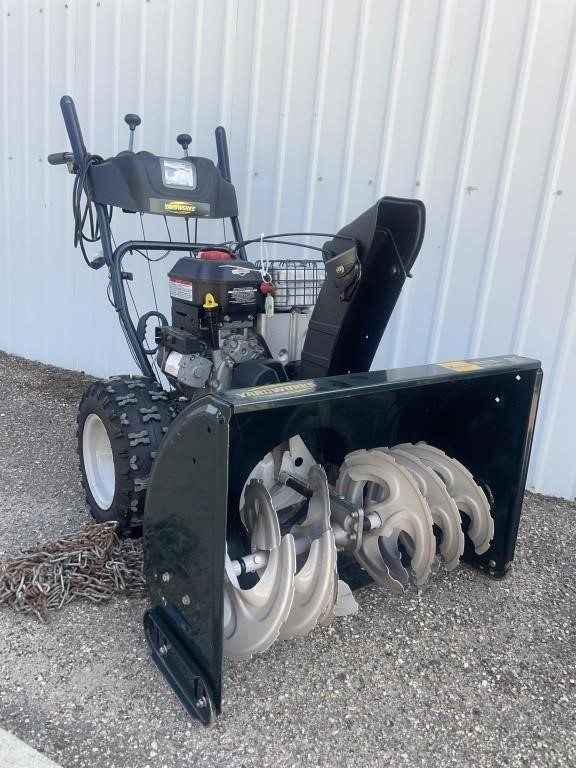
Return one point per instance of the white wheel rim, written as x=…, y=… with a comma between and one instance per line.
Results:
x=98, y=461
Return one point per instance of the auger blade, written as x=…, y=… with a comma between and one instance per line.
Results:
x=316, y=582
x=468, y=496
x=373, y=479
x=253, y=617
x=292, y=456
x=443, y=508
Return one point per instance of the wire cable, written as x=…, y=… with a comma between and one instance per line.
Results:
x=81, y=214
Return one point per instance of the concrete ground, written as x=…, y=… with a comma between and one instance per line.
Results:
x=15, y=753
x=471, y=673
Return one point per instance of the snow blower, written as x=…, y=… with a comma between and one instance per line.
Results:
x=271, y=471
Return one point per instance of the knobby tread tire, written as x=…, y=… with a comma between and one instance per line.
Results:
x=136, y=413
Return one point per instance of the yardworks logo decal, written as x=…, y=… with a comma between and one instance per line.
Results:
x=278, y=389
x=178, y=206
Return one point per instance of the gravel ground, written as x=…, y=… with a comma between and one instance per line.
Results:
x=472, y=672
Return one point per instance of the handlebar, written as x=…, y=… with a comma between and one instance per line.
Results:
x=73, y=129
x=61, y=158
x=222, y=150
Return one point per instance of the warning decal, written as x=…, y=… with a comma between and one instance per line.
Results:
x=462, y=366
x=180, y=289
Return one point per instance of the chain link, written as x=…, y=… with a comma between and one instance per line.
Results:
x=95, y=564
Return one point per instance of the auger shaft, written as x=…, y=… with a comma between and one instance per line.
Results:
x=256, y=560
x=259, y=559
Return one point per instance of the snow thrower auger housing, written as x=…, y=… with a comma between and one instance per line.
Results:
x=274, y=473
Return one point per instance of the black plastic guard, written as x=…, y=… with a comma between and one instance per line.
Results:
x=480, y=412
x=184, y=546
x=362, y=287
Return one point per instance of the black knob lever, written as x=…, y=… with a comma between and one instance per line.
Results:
x=132, y=121
x=184, y=140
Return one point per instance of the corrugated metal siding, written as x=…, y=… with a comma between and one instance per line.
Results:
x=468, y=104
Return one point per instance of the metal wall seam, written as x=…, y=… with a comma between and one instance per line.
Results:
x=253, y=107
x=557, y=146
x=354, y=111
x=321, y=78
x=562, y=357
x=68, y=286
x=226, y=85
x=116, y=113
x=143, y=62
x=169, y=79
x=428, y=138
x=437, y=84
x=24, y=165
x=91, y=133
x=45, y=255
x=465, y=155
x=196, y=74
x=6, y=305
x=287, y=80
x=394, y=81
x=505, y=176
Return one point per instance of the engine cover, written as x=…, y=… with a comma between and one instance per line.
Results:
x=234, y=284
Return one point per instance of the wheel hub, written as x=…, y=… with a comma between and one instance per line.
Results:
x=98, y=461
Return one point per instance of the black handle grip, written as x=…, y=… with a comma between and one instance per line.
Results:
x=73, y=128
x=60, y=158
x=222, y=150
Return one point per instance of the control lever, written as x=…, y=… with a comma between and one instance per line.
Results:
x=132, y=121
x=184, y=140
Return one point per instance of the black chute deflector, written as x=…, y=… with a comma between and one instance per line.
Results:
x=362, y=287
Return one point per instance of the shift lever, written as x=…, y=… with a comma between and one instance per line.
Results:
x=132, y=121
x=184, y=140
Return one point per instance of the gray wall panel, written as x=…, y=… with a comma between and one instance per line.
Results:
x=468, y=104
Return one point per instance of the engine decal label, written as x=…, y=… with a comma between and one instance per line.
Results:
x=242, y=295
x=462, y=366
x=181, y=289
x=296, y=387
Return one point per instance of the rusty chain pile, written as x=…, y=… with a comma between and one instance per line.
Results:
x=95, y=564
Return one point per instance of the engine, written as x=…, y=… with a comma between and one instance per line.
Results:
x=213, y=341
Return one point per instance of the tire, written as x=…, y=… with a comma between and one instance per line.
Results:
x=121, y=423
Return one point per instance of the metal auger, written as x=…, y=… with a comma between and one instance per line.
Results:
x=385, y=500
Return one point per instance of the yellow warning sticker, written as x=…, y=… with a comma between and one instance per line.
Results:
x=295, y=387
x=462, y=366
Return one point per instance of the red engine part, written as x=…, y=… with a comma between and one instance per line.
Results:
x=215, y=255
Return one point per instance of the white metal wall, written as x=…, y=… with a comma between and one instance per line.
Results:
x=467, y=104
